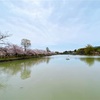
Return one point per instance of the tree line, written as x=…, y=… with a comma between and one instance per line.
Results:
x=13, y=50
x=89, y=50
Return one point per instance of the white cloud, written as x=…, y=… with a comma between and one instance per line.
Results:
x=37, y=2
x=50, y=22
x=31, y=8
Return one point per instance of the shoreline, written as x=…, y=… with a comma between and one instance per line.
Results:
x=29, y=57
x=18, y=58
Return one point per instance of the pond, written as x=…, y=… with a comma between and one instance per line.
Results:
x=59, y=77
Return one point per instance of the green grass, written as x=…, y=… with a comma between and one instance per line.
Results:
x=11, y=58
x=14, y=58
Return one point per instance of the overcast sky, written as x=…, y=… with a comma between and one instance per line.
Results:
x=57, y=24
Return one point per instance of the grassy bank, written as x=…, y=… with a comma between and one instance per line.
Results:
x=12, y=58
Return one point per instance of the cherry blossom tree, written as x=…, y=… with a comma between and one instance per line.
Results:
x=30, y=52
x=14, y=50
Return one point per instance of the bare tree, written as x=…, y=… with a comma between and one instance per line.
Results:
x=25, y=43
x=3, y=37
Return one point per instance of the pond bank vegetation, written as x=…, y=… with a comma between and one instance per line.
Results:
x=10, y=52
x=14, y=52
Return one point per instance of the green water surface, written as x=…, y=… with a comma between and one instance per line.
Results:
x=60, y=77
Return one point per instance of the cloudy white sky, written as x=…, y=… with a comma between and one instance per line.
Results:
x=57, y=24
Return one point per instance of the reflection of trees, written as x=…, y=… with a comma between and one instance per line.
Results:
x=25, y=72
x=89, y=60
x=22, y=66
x=2, y=86
x=98, y=59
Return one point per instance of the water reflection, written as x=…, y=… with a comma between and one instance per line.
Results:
x=90, y=60
x=2, y=86
x=22, y=66
x=25, y=73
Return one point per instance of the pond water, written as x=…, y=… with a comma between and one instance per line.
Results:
x=60, y=77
